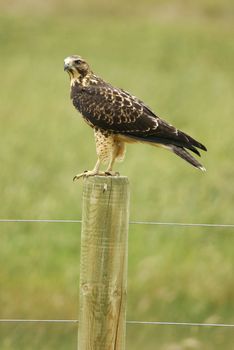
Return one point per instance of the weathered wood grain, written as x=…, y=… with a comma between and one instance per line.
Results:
x=103, y=269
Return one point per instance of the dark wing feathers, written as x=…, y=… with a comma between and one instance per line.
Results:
x=111, y=109
x=117, y=111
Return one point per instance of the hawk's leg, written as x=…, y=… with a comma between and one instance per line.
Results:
x=110, y=167
x=93, y=172
x=118, y=152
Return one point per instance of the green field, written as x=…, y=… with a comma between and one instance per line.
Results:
x=178, y=59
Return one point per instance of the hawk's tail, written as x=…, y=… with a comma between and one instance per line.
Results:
x=182, y=153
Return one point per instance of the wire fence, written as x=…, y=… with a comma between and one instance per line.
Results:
x=130, y=222
x=152, y=323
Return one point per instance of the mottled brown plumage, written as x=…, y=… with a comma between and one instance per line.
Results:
x=118, y=117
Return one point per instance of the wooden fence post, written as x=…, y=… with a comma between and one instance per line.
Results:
x=103, y=267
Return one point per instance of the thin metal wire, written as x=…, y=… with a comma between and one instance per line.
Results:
x=179, y=224
x=131, y=222
x=154, y=323
x=18, y=320
x=42, y=220
x=188, y=324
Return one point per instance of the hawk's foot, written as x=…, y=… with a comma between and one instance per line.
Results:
x=88, y=173
x=112, y=173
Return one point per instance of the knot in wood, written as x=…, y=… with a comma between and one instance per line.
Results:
x=86, y=288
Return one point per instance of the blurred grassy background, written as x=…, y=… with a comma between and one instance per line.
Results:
x=178, y=57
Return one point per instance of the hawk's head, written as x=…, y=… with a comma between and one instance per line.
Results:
x=76, y=66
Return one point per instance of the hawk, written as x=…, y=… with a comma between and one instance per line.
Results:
x=118, y=117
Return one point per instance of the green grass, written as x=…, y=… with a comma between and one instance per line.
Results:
x=184, y=71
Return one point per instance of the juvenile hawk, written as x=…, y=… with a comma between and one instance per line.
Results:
x=118, y=118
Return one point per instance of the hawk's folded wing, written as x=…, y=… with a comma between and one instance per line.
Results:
x=119, y=112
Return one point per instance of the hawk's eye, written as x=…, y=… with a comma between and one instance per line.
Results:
x=77, y=61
